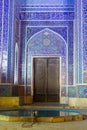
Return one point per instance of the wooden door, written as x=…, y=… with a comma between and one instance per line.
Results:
x=46, y=79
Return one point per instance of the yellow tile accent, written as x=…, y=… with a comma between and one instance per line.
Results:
x=58, y=119
x=41, y=119
x=78, y=117
x=28, y=99
x=68, y=118
x=15, y=101
x=45, y=119
x=17, y=119
x=9, y=101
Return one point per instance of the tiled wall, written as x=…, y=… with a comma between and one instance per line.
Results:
x=58, y=20
x=47, y=2
x=66, y=19
x=5, y=90
x=8, y=17
x=84, y=26
x=79, y=91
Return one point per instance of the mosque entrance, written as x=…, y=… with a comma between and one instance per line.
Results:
x=46, y=79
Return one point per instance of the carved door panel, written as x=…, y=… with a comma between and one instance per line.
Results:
x=46, y=79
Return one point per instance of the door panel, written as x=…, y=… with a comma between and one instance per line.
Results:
x=53, y=79
x=46, y=79
x=40, y=79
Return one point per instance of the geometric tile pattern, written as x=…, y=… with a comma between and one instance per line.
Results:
x=58, y=21
x=29, y=32
x=5, y=90
x=84, y=17
x=78, y=91
x=82, y=91
x=47, y=42
x=72, y=92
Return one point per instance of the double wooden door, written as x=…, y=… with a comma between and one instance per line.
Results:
x=46, y=79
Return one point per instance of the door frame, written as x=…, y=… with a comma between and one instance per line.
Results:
x=32, y=72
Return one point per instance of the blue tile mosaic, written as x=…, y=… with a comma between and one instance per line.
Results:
x=82, y=91
x=51, y=49
x=79, y=41
x=5, y=90
x=72, y=92
x=47, y=2
x=46, y=15
x=61, y=29
x=84, y=17
x=67, y=20
x=45, y=42
x=46, y=8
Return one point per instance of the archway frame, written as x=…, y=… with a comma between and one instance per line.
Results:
x=33, y=56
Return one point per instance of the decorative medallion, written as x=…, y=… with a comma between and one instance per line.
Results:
x=46, y=42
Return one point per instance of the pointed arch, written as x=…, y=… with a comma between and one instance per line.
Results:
x=46, y=43
x=42, y=32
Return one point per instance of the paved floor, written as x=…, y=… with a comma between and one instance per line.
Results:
x=75, y=125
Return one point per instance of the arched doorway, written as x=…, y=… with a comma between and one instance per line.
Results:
x=49, y=47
